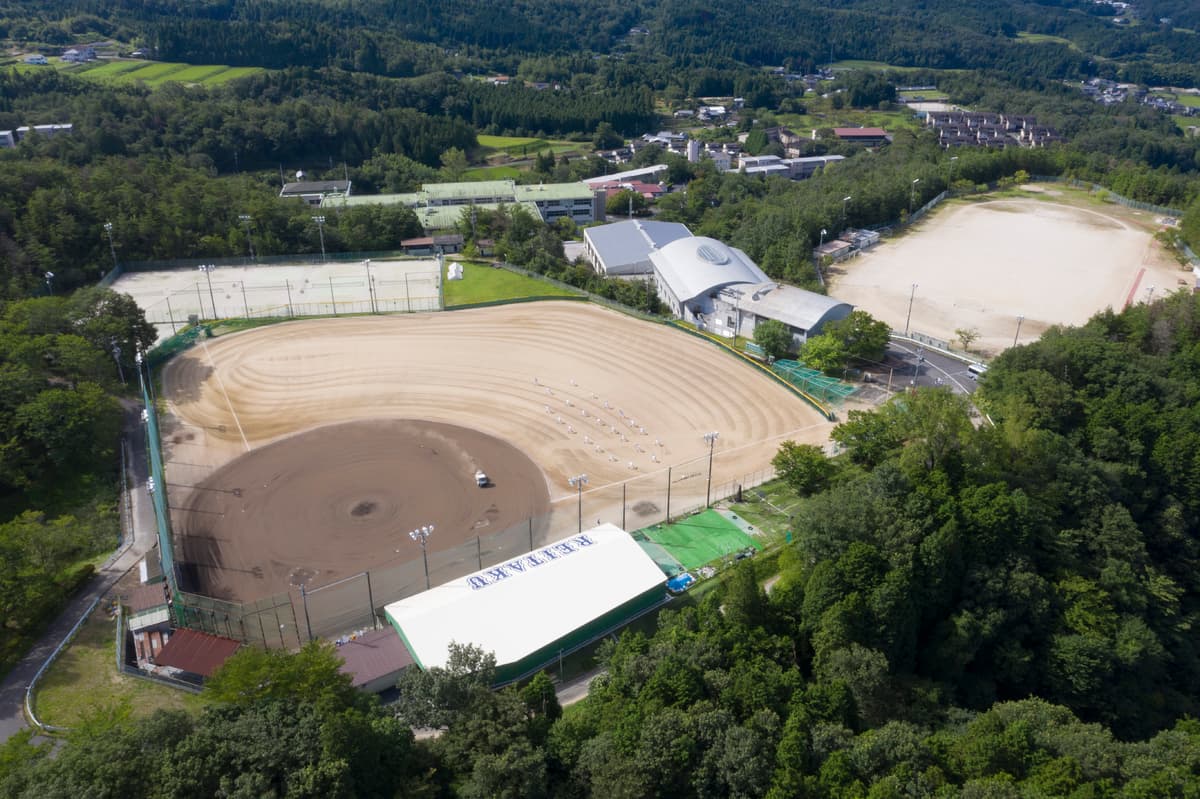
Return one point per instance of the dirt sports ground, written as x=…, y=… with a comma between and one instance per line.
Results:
x=304, y=452
x=1053, y=258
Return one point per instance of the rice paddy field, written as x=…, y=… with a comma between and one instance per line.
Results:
x=525, y=146
x=155, y=73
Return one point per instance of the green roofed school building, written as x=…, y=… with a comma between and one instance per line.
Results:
x=535, y=608
x=439, y=205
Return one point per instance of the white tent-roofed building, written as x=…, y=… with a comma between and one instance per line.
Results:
x=533, y=608
x=689, y=272
x=623, y=248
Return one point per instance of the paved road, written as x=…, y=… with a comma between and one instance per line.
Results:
x=12, y=689
x=934, y=369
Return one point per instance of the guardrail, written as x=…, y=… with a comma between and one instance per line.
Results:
x=29, y=711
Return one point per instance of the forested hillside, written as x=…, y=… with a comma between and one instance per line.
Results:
x=968, y=610
x=965, y=609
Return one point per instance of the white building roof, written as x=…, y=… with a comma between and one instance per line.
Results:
x=643, y=172
x=697, y=265
x=518, y=607
x=150, y=618
x=623, y=244
x=793, y=306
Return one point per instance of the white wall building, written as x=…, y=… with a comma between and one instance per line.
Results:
x=688, y=273
x=623, y=248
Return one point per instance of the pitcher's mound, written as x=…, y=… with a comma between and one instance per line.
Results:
x=338, y=500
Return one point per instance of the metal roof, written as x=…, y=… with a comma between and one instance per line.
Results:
x=629, y=174
x=624, y=243
x=411, y=199
x=445, y=217
x=368, y=657
x=146, y=597
x=502, y=189
x=196, y=652
x=523, y=605
x=698, y=265
x=554, y=191
x=315, y=187
x=149, y=618
x=793, y=306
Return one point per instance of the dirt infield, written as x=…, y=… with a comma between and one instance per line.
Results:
x=577, y=388
x=983, y=265
x=318, y=506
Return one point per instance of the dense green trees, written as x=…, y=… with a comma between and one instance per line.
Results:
x=774, y=337
x=59, y=426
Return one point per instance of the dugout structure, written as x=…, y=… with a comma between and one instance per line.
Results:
x=535, y=608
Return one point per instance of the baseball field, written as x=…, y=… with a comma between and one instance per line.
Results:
x=1031, y=262
x=303, y=452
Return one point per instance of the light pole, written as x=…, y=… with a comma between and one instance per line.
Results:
x=111, y=247
x=711, y=438
x=246, y=219
x=320, y=220
x=421, y=536
x=953, y=158
x=1149, y=294
x=370, y=284
x=845, y=200
x=1020, y=319
x=823, y=233
x=207, y=270
x=578, y=482
x=50, y=283
x=116, y=351
x=908, y=318
x=912, y=195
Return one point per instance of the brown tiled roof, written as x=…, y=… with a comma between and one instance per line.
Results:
x=195, y=652
x=145, y=597
x=373, y=655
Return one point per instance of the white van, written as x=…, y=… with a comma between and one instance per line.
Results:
x=977, y=370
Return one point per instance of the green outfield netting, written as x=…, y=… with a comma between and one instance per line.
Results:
x=813, y=382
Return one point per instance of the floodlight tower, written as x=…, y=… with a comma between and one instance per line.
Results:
x=711, y=438
x=421, y=536
x=578, y=482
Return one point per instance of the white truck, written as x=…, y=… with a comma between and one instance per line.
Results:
x=481, y=479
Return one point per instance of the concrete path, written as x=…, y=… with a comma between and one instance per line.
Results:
x=12, y=689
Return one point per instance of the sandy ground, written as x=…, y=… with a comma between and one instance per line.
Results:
x=169, y=297
x=984, y=265
x=319, y=506
x=571, y=385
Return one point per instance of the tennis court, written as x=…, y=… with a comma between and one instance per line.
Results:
x=700, y=539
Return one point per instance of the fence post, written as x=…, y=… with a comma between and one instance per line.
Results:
x=371, y=600
x=668, y=494
x=307, y=621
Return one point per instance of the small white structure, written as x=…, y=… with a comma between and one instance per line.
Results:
x=454, y=271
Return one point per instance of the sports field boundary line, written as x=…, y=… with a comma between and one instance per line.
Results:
x=224, y=393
